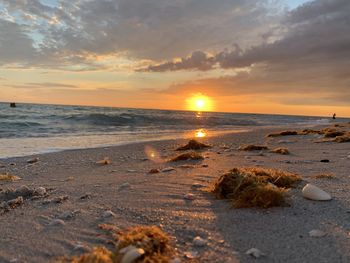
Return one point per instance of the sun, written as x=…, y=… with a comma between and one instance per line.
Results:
x=199, y=102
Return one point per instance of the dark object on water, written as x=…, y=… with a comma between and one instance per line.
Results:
x=13, y=105
x=324, y=161
x=334, y=115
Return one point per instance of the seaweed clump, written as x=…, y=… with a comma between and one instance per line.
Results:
x=283, y=151
x=137, y=244
x=283, y=133
x=187, y=156
x=9, y=177
x=193, y=145
x=341, y=139
x=255, y=187
x=333, y=134
x=252, y=147
x=325, y=176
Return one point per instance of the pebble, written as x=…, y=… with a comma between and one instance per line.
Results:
x=168, y=169
x=57, y=222
x=324, y=161
x=189, y=196
x=191, y=254
x=175, y=260
x=317, y=233
x=199, y=242
x=124, y=186
x=34, y=160
x=131, y=171
x=107, y=214
x=205, y=165
x=40, y=191
x=254, y=252
x=66, y=215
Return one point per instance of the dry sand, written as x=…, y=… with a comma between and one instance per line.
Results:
x=138, y=198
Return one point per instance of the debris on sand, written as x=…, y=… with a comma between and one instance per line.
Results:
x=9, y=177
x=154, y=171
x=12, y=198
x=104, y=161
x=283, y=151
x=199, y=242
x=255, y=187
x=137, y=244
x=193, y=145
x=187, y=156
x=252, y=147
x=282, y=133
x=324, y=176
x=56, y=200
x=57, y=222
x=315, y=193
x=189, y=197
x=108, y=214
x=341, y=139
x=333, y=134
x=324, y=161
x=32, y=161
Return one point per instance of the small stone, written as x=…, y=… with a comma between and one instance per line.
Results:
x=107, y=214
x=34, y=160
x=132, y=255
x=317, y=233
x=131, y=171
x=197, y=186
x=40, y=191
x=167, y=169
x=124, y=186
x=189, y=196
x=199, y=242
x=57, y=222
x=254, y=252
x=66, y=215
x=324, y=161
x=205, y=165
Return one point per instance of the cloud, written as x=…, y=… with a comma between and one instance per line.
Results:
x=42, y=85
x=74, y=32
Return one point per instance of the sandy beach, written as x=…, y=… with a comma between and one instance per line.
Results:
x=79, y=192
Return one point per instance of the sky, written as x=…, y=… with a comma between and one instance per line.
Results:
x=260, y=56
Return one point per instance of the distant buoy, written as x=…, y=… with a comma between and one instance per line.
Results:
x=13, y=105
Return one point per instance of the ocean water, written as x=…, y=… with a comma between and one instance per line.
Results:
x=32, y=128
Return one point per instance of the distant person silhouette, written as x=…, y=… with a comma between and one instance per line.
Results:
x=334, y=115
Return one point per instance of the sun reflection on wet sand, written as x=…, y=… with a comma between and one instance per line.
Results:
x=153, y=154
x=200, y=133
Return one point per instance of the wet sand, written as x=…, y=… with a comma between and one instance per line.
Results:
x=138, y=198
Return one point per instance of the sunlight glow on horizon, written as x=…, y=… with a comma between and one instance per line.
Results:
x=199, y=102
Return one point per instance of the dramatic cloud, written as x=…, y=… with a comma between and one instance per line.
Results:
x=73, y=32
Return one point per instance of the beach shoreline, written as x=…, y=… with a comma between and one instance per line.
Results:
x=136, y=197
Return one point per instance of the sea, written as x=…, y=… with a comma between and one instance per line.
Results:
x=33, y=129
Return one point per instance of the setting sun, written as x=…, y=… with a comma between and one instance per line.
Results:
x=199, y=102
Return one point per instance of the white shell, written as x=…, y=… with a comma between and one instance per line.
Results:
x=314, y=193
x=199, y=242
x=254, y=252
x=107, y=214
x=168, y=169
x=132, y=255
x=316, y=233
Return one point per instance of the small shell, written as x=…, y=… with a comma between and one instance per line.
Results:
x=107, y=214
x=254, y=252
x=199, y=242
x=132, y=255
x=168, y=169
x=317, y=233
x=314, y=193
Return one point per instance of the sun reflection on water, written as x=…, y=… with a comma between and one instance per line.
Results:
x=201, y=133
